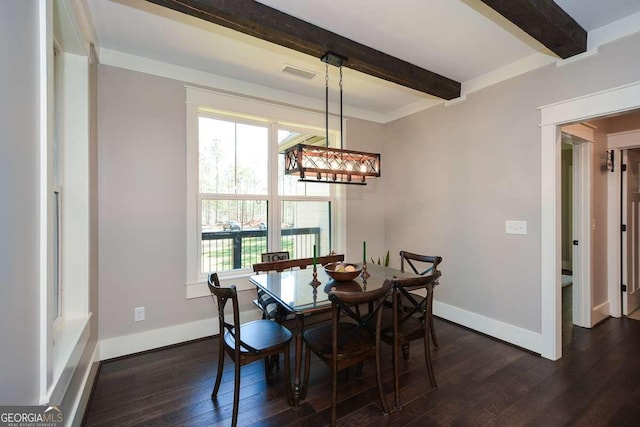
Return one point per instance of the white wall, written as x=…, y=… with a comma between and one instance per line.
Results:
x=142, y=181
x=19, y=223
x=365, y=204
x=474, y=164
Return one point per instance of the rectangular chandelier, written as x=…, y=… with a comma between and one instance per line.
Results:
x=333, y=165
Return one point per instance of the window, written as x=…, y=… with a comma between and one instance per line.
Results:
x=239, y=201
x=236, y=201
x=56, y=211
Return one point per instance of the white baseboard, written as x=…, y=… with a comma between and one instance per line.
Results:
x=495, y=328
x=75, y=417
x=148, y=340
x=155, y=338
x=599, y=313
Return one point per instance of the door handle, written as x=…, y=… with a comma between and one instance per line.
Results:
x=575, y=243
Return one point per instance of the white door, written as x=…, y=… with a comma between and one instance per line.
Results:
x=581, y=243
x=631, y=218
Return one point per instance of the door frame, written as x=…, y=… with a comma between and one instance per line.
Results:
x=611, y=101
x=624, y=219
x=581, y=138
x=617, y=144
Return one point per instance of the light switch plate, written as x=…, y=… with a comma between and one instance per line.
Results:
x=138, y=314
x=516, y=227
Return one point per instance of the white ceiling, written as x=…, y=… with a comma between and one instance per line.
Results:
x=461, y=39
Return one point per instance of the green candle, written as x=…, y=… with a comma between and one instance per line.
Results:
x=364, y=252
x=314, y=256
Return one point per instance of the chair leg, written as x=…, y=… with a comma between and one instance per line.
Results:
x=433, y=332
x=383, y=401
x=405, y=351
x=287, y=376
x=396, y=376
x=307, y=367
x=236, y=395
x=431, y=326
x=334, y=394
x=276, y=362
x=267, y=369
x=271, y=365
x=427, y=356
x=216, y=387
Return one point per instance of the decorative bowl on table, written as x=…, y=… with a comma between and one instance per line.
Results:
x=342, y=271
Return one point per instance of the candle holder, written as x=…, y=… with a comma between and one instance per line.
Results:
x=365, y=274
x=315, y=282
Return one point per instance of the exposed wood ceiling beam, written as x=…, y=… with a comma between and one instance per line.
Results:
x=545, y=21
x=266, y=23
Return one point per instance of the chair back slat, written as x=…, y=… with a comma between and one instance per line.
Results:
x=301, y=263
x=274, y=256
x=420, y=264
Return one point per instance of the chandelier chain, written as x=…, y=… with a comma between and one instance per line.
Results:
x=341, y=144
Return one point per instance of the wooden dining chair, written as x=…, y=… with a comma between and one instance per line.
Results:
x=408, y=320
x=423, y=265
x=246, y=343
x=350, y=339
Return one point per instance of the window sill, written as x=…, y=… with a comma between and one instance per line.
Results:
x=240, y=279
x=71, y=335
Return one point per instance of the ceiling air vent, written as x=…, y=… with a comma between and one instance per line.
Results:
x=298, y=72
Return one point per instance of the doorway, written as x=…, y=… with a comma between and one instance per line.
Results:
x=566, y=168
x=630, y=230
x=600, y=104
x=577, y=224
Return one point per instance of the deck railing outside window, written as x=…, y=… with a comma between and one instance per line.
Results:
x=230, y=250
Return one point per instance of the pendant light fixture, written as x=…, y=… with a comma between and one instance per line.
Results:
x=326, y=164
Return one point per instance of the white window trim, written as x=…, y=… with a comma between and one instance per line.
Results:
x=286, y=116
x=63, y=341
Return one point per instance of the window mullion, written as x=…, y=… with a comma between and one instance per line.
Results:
x=216, y=196
x=272, y=210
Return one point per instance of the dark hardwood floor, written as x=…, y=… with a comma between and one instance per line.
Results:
x=481, y=381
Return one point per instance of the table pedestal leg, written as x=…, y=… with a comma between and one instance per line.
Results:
x=297, y=388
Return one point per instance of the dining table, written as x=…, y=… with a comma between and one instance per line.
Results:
x=303, y=294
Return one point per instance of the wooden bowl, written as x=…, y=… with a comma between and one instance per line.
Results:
x=342, y=276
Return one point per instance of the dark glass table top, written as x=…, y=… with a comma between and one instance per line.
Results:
x=293, y=290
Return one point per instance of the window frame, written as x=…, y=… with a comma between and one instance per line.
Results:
x=57, y=196
x=64, y=114
x=254, y=112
